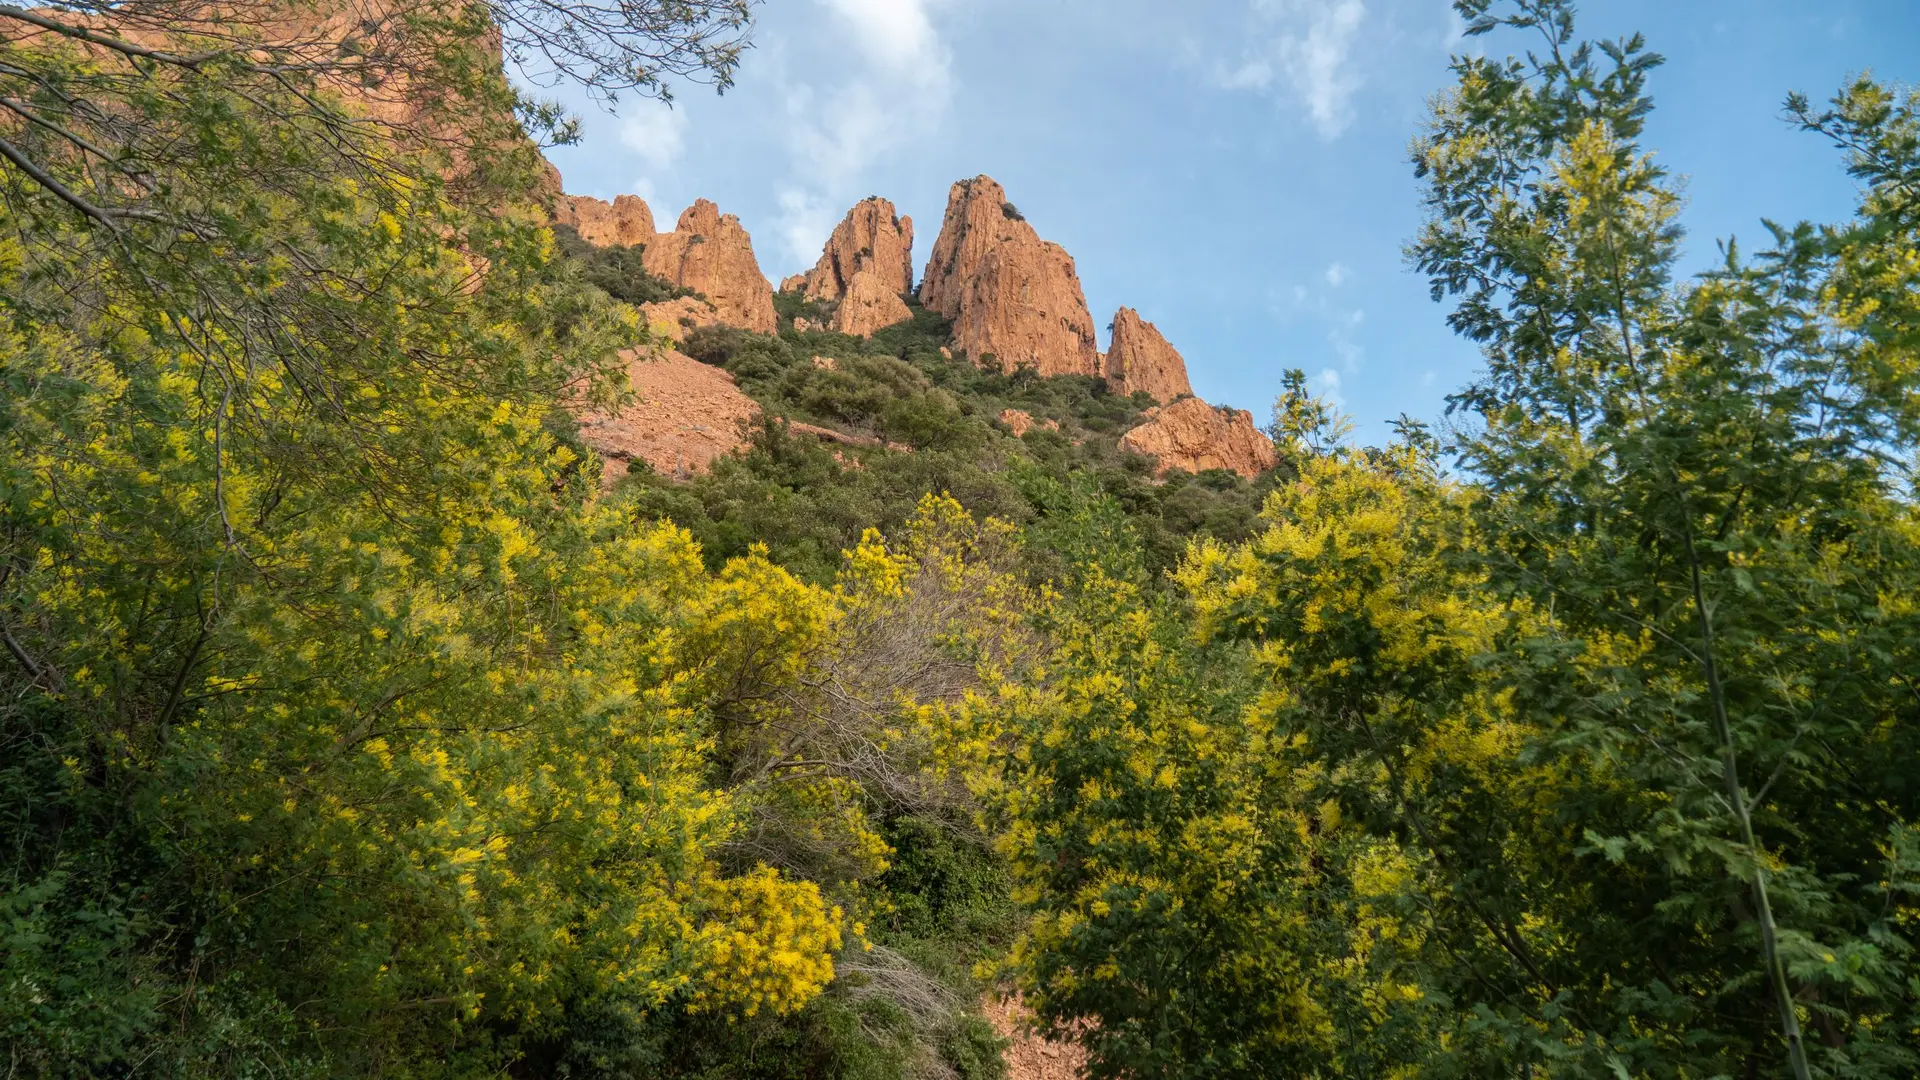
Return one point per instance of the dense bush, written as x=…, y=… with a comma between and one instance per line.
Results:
x=617, y=270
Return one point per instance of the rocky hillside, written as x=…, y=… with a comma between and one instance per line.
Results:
x=1011, y=303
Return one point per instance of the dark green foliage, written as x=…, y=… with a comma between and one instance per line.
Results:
x=1012, y=212
x=793, y=494
x=831, y=1037
x=618, y=271
x=794, y=305
x=943, y=884
x=973, y=1049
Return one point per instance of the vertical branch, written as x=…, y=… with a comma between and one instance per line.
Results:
x=1736, y=799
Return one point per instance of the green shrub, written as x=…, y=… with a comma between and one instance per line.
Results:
x=974, y=1050
x=617, y=270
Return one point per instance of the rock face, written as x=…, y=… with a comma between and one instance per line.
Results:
x=1140, y=359
x=626, y=221
x=685, y=415
x=1010, y=294
x=870, y=303
x=1194, y=436
x=674, y=319
x=711, y=254
x=871, y=239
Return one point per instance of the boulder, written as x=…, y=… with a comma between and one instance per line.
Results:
x=1140, y=359
x=712, y=254
x=1020, y=421
x=1010, y=294
x=626, y=221
x=869, y=303
x=873, y=239
x=1194, y=436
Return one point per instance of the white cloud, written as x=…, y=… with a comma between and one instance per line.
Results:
x=839, y=124
x=897, y=34
x=657, y=135
x=1336, y=274
x=1303, y=50
x=805, y=222
x=654, y=131
x=1327, y=385
x=1252, y=75
x=1456, y=31
x=1349, y=352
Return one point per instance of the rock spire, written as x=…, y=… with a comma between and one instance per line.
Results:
x=1140, y=359
x=1011, y=295
x=710, y=253
x=871, y=239
x=707, y=252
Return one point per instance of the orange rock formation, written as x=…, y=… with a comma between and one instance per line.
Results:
x=1140, y=359
x=626, y=221
x=870, y=303
x=1010, y=294
x=872, y=238
x=1194, y=436
x=711, y=254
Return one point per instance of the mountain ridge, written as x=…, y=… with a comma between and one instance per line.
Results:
x=1013, y=300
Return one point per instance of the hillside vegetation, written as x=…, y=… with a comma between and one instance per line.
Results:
x=937, y=425
x=348, y=727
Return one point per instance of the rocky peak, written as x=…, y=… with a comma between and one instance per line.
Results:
x=1140, y=359
x=1194, y=436
x=712, y=254
x=871, y=239
x=1010, y=294
x=627, y=221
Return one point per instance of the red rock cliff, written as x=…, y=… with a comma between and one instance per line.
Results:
x=626, y=221
x=871, y=238
x=1009, y=293
x=712, y=254
x=1140, y=359
x=1194, y=436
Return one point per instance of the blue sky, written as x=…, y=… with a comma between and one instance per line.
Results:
x=1235, y=169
